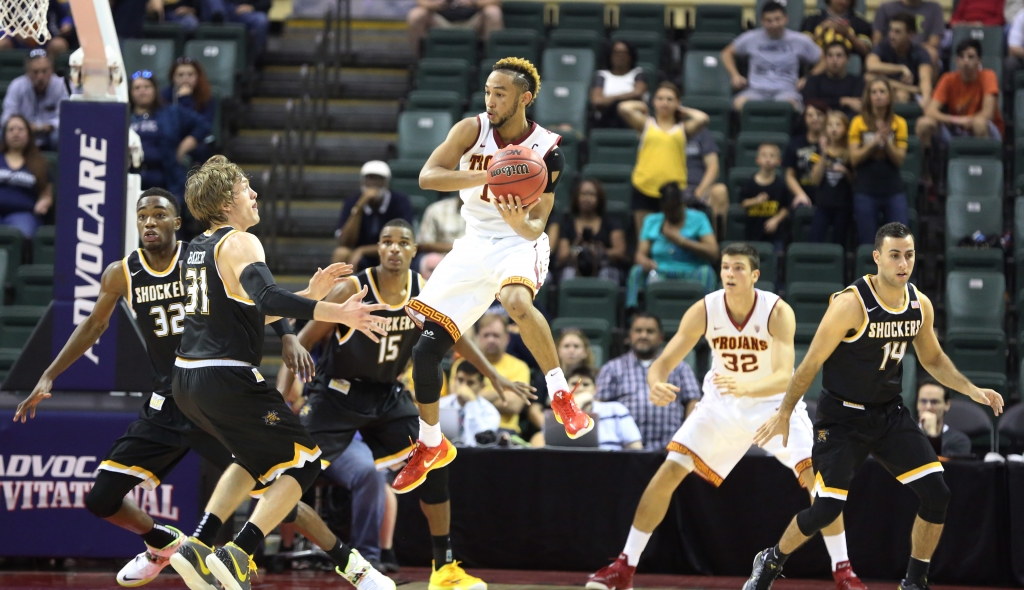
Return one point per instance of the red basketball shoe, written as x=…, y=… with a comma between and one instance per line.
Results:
x=576, y=422
x=846, y=579
x=423, y=460
x=617, y=576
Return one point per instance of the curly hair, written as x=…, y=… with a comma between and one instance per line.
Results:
x=210, y=188
x=524, y=74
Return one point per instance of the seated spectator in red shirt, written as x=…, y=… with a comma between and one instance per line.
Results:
x=978, y=13
x=970, y=97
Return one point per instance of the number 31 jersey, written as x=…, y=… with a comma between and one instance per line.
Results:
x=742, y=351
x=158, y=300
x=867, y=366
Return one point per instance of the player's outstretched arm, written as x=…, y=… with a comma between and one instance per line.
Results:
x=935, y=361
x=691, y=328
x=314, y=332
x=781, y=325
x=324, y=279
x=467, y=348
x=440, y=174
x=844, y=314
x=113, y=285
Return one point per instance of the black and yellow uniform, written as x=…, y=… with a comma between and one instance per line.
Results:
x=156, y=442
x=860, y=410
x=217, y=383
x=356, y=385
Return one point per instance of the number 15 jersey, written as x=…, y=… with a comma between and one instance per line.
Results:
x=867, y=366
x=742, y=351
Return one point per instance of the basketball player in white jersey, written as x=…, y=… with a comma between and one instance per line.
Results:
x=504, y=254
x=751, y=337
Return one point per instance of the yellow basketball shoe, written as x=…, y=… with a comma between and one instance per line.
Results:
x=453, y=577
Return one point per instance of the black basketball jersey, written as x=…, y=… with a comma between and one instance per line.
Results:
x=867, y=367
x=350, y=356
x=219, y=324
x=158, y=300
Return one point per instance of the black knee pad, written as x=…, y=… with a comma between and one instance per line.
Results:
x=427, y=355
x=108, y=492
x=435, y=489
x=934, y=495
x=306, y=474
x=822, y=513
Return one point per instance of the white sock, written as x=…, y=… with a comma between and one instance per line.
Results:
x=836, y=545
x=556, y=382
x=430, y=434
x=635, y=544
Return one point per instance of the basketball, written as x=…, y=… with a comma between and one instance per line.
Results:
x=517, y=171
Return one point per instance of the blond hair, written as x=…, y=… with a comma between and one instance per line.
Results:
x=210, y=188
x=524, y=74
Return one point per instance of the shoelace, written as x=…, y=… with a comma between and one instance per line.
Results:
x=453, y=573
x=252, y=567
x=568, y=397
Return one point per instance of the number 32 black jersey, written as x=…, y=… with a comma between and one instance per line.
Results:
x=867, y=366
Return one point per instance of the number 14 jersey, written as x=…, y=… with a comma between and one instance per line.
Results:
x=867, y=366
x=743, y=351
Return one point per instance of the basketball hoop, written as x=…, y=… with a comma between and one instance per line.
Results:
x=25, y=18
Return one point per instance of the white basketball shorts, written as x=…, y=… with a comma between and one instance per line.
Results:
x=469, y=278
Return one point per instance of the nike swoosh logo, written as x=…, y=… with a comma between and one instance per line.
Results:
x=136, y=272
x=872, y=309
x=202, y=564
x=241, y=576
x=431, y=462
x=127, y=579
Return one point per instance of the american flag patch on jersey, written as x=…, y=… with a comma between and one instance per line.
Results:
x=915, y=304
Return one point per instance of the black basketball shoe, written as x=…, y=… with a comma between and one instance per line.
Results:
x=765, y=571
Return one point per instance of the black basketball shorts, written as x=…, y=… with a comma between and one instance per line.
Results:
x=845, y=433
x=234, y=403
x=154, y=444
x=384, y=415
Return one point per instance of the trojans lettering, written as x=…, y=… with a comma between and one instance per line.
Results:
x=739, y=343
x=479, y=162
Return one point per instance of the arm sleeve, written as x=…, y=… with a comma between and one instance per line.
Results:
x=900, y=132
x=990, y=84
x=809, y=50
x=270, y=299
x=597, y=81
x=282, y=327
x=555, y=161
x=705, y=224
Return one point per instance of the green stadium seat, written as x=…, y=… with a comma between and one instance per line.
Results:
x=155, y=55
x=769, y=263
x=43, y=245
x=615, y=178
x=975, y=299
x=864, y=261
x=713, y=42
x=477, y=104
x=814, y=391
x=979, y=178
x=563, y=194
x=14, y=58
x=715, y=18
x=405, y=178
x=669, y=299
x=11, y=241
x=975, y=147
x=748, y=142
x=704, y=75
x=563, y=64
x=612, y=146
x=451, y=44
x=166, y=30
x=483, y=71
x=574, y=39
x=17, y=323
x=649, y=44
x=736, y=223
x=447, y=101
x=524, y=15
x=52, y=171
x=912, y=162
x=523, y=43
x=821, y=263
x=642, y=17
x=228, y=32
x=991, y=39
x=910, y=111
x=719, y=108
x=794, y=10
x=419, y=132
x=588, y=16
x=419, y=205
x=7, y=358
x=562, y=104
x=571, y=150
x=974, y=259
x=911, y=185
x=3, y=271
x=219, y=59
x=802, y=220
x=966, y=216
x=737, y=178
x=598, y=331
x=449, y=75
x=33, y=284
x=855, y=67
x=809, y=301
x=767, y=117
x=973, y=349
x=589, y=298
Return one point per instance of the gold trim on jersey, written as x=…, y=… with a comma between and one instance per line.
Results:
x=128, y=278
x=916, y=474
x=170, y=267
x=805, y=464
x=433, y=315
x=821, y=490
x=376, y=292
x=216, y=252
x=863, y=308
x=700, y=467
x=517, y=280
x=301, y=456
x=149, y=481
x=393, y=459
x=906, y=296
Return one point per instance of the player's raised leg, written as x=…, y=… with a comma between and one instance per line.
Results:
x=834, y=536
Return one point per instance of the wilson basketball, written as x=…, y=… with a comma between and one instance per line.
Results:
x=517, y=171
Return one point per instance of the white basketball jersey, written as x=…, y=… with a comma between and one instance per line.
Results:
x=482, y=217
x=742, y=351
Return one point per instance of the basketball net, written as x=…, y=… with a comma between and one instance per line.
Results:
x=24, y=18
